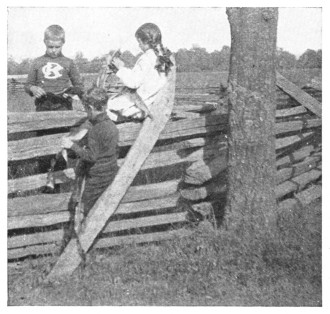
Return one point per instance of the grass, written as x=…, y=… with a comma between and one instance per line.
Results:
x=210, y=267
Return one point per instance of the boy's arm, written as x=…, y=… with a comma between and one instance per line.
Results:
x=88, y=152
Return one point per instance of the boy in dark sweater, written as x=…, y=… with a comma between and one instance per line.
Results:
x=98, y=157
x=53, y=76
x=51, y=79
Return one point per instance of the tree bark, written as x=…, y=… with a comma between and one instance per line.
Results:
x=251, y=203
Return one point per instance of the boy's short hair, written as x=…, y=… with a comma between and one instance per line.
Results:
x=96, y=97
x=54, y=32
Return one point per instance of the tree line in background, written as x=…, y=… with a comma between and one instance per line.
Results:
x=195, y=59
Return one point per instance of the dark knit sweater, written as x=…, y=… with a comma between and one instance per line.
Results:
x=54, y=75
x=100, y=152
x=98, y=159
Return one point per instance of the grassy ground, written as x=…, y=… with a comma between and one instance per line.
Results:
x=211, y=267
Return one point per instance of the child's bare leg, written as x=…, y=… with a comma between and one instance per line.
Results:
x=141, y=105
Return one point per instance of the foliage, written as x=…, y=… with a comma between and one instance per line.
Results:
x=16, y=68
x=310, y=59
x=285, y=60
x=196, y=59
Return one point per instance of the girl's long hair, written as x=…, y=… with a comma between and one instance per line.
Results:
x=150, y=34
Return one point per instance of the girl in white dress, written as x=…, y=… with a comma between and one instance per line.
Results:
x=145, y=79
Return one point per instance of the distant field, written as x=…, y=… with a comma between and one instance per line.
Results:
x=21, y=102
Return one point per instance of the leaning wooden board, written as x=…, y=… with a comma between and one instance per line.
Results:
x=109, y=201
x=299, y=95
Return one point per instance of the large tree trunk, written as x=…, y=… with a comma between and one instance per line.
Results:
x=251, y=203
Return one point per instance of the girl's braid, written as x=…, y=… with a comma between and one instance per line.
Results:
x=164, y=62
x=155, y=49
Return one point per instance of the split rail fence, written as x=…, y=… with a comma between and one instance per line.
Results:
x=183, y=177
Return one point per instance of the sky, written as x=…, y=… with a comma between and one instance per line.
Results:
x=96, y=30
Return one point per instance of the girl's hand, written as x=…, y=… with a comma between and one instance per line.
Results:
x=37, y=91
x=118, y=63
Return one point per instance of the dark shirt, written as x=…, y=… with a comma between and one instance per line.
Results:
x=100, y=153
x=54, y=75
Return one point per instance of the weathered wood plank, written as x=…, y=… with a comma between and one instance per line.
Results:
x=197, y=97
x=295, y=156
x=297, y=183
x=200, y=193
x=142, y=222
x=299, y=95
x=281, y=143
x=46, y=203
x=112, y=226
x=291, y=126
x=142, y=238
x=215, y=140
x=43, y=249
x=35, y=239
x=187, y=115
x=283, y=113
x=31, y=121
x=297, y=125
x=124, y=208
x=296, y=169
x=102, y=243
x=198, y=108
x=303, y=198
x=307, y=196
x=149, y=205
x=18, y=222
x=38, y=181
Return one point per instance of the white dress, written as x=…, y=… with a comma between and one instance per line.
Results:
x=144, y=78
